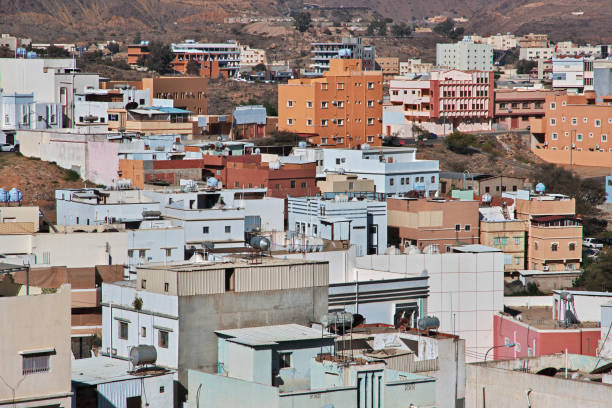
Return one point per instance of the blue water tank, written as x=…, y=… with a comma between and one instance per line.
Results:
x=21, y=52
x=31, y=55
x=212, y=182
x=302, y=144
x=540, y=188
x=15, y=195
x=3, y=196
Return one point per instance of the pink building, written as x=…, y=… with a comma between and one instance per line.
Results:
x=443, y=101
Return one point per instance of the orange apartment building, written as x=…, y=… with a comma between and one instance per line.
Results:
x=432, y=225
x=514, y=108
x=189, y=93
x=554, y=233
x=341, y=109
x=574, y=130
x=137, y=51
x=215, y=60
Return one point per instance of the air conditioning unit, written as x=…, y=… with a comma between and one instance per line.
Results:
x=597, y=147
x=380, y=101
x=334, y=120
x=334, y=103
x=545, y=268
x=114, y=352
x=380, y=119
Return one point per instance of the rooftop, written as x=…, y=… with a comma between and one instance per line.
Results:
x=540, y=317
x=475, y=248
x=100, y=370
x=270, y=335
x=179, y=266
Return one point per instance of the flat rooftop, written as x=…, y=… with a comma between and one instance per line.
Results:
x=270, y=335
x=101, y=370
x=228, y=263
x=540, y=317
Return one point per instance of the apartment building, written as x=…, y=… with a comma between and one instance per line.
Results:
x=91, y=107
x=137, y=51
x=184, y=303
x=532, y=40
x=348, y=47
x=442, y=101
x=12, y=42
x=433, y=226
x=502, y=42
x=21, y=111
x=554, y=233
x=152, y=120
x=537, y=53
x=249, y=57
x=479, y=183
x=465, y=55
x=573, y=131
x=389, y=67
x=514, y=108
x=35, y=349
x=215, y=60
x=395, y=171
x=574, y=74
x=362, y=223
x=341, y=109
x=414, y=66
x=350, y=184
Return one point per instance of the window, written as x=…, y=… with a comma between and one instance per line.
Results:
x=35, y=363
x=324, y=105
x=290, y=104
x=496, y=241
x=143, y=284
x=309, y=104
x=162, y=340
x=553, y=106
x=574, y=121
x=579, y=137
x=143, y=331
x=555, y=136
x=130, y=253
x=230, y=279
x=402, y=181
x=113, y=117
x=142, y=253
x=292, y=183
x=391, y=181
x=303, y=184
x=340, y=122
x=504, y=240
x=554, y=247
x=290, y=121
x=597, y=122
x=123, y=330
x=517, y=240
x=467, y=227
x=370, y=121
x=162, y=389
x=370, y=104
x=323, y=122
x=284, y=360
x=585, y=120
x=166, y=286
x=370, y=85
x=553, y=121
x=168, y=251
x=308, y=122
x=457, y=227
x=572, y=246
x=324, y=86
x=340, y=104
x=340, y=85
x=433, y=179
x=228, y=229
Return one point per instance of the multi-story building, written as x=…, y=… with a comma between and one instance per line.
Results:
x=532, y=40
x=432, y=225
x=91, y=107
x=21, y=111
x=136, y=52
x=514, y=108
x=348, y=184
x=536, y=53
x=502, y=42
x=348, y=47
x=389, y=66
x=554, y=233
x=184, y=303
x=35, y=349
x=152, y=120
x=50, y=80
x=414, y=66
x=395, y=171
x=573, y=74
x=12, y=42
x=215, y=60
x=442, y=101
x=465, y=55
x=250, y=57
x=479, y=183
x=574, y=130
x=362, y=223
x=341, y=109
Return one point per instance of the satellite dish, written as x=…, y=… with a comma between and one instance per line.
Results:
x=540, y=188
x=131, y=105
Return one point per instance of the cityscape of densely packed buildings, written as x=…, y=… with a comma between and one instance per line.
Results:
x=309, y=255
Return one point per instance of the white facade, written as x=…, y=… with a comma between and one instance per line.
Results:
x=501, y=42
x=158, y=313
x=414, y=66
x=20, y=111
x=387, y=167
x=536, y=53
x=465, y=290
x=251, y=56
x=574, y=74
x=465, y=55
x=363, y=223
x=88, y=111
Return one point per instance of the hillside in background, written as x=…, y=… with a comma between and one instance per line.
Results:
x=69, y=20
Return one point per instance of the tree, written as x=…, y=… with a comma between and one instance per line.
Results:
x=57, y=52
x=447, y=28
x=137, y=38
x=461, y=143
x=401, y=30
x=598, y=275
x=113, y=47
x=302, y=21
x=159, y=58
x=377, y=27
x=525, y=66
x=261, y=67
x=270, y=108
x=193, y=68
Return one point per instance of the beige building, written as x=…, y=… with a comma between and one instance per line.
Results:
x=414, y=66
x=19, y=220
x=345, y=183
x=509, y=236
x=389, y=66
x=35, y=350
x=251, y=56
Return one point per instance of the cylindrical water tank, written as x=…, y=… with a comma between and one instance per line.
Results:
x=143, y=354
x=212, y=182
x=302, y=144
x=15, y=195
x=258, y=242
x=428, y=323
x=3, y=196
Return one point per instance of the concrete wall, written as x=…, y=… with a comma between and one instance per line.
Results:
x=202, y=315
x=20, y=214
x=114, y=394
x=35, y=323
x=77, y=250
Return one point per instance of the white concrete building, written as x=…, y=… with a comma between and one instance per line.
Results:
x=21, y=111
x=536, y=53
x=250, y=57
x=361, y=222
x=387, y=167
x=498, y=41
x=414, y=66
x=52, y=80
x=465, y=55
x=91, y=107
x=573, y=74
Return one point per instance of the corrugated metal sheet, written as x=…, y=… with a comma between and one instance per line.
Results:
x=275, y=277
x=7, y=228
x=114, y=394
x=201, y=282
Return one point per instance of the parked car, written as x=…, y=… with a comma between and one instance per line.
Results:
x=7, y=147
x=592, y=243
x=590, y=253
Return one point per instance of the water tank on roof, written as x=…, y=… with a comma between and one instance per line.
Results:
x=31, y=55
x=540, y=188
x=274, y=165
x=3, y=196
x=365, y=146
x=261, y=243
x=302, y=144
x=212, y=182
x=486, y=198
x=15, y=195
x=143, y=354
x=428, y=323
x=392, y=250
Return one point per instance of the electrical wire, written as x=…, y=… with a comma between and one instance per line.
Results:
x=602, y=346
